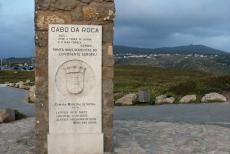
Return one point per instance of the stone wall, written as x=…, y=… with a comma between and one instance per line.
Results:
x=82, y=12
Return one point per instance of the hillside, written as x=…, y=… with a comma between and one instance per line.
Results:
x=15, y=60
x=189, y=49
x=192, y=57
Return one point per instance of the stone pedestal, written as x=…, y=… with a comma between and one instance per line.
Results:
x=69, y=118
x=75, y=143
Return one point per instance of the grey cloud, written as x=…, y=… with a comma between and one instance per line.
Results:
x=17, y=32
x=158, y=23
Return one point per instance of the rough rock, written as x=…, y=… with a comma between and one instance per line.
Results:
x=31, y=94
x=24, y=87
x=227, y=95
x=188, y=99
x=213, y=97
x=164, y=99
x=19, y=84
x=7, y=115
x=129, y=99
x=27, y=82
x=65, y=4
x=11, y=84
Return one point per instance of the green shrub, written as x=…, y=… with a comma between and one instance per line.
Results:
x=19, y=115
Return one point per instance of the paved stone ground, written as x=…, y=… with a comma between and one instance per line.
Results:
x=140, y=137
x=17, y=137
x=134, y=137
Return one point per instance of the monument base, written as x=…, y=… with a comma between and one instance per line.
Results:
x=75, y=144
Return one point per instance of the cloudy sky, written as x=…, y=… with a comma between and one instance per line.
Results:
x=16, y=28
x=159, y=23
x=140, y=23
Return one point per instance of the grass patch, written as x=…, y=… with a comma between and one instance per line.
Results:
x=129, y=79
x=173, y=82
x=16, y=76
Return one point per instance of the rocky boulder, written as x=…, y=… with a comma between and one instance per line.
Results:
x=19, y=84
x=129, y=99
x=188, y=99
x=31, y=94
x=27, y=82
x=213, y=97
x=12, y=84
x=7, y=115
x=164, y=99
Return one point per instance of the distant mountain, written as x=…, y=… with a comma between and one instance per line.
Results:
x=191, y=57
x=15, y=60
x=189, y=49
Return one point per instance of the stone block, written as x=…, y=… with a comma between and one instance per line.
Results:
x=44, y=18
x=99, y=11
x=41, y=39
x=80, y=12
x=7, y=115
x=108, y=73
x=143, y=96
x=107, y=55
x=77, y=14
x=107, y=33
x=65, y=4
x=42, y=4
x=108, y=142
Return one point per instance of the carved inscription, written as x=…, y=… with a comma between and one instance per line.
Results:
x=75, y=99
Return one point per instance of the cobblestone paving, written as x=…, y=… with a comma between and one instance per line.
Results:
x=139, y=137
x=134, y=137
x=17, y=137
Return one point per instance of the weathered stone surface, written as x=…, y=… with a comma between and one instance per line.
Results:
x=44, y=18
x=17, y=137
x=41, y=39
x=213, y=97
x=107, y=33
x=227, y=95
x=80, y=12
x=42, y=4
x=99, y=11
x=27, y=82
x=65, y=4
x=107, y=55
x=128, y=99
x=41, y=103
x=19, y=84
x=146, y=137
x=107, y=90
x=31, y=94
x=108, y=73
x=188, y=99
x=143, y=96
x=86, y=1
x=164, y=99
x=77, y=13
x=133, y=137
x=7, y=115
x=107, y=114
x=11, y=84
x=25, y=87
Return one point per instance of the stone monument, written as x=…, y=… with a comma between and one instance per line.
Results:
x=74, y=76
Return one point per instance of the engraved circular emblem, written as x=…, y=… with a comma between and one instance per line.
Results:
x=75, y=78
